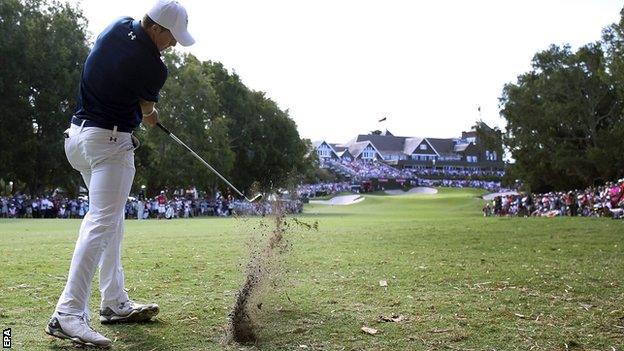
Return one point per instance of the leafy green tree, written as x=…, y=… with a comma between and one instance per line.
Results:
x=241, y=133
x=41, y=52
x=265, y=140
x=613, y=44
x=279, y=151
x=562, y=120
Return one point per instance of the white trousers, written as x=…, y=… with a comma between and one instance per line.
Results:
x=105, y=159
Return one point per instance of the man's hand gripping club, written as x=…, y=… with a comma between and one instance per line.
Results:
x=150, y=113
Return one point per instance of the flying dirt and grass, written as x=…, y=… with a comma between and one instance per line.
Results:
x=425, y=271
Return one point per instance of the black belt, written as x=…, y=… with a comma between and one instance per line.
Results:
x=89, y=123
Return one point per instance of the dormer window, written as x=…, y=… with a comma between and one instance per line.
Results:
x=490, y=155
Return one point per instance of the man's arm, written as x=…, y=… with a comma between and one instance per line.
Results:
x=150, y=114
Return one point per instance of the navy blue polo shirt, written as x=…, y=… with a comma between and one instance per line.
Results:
x=123, y=67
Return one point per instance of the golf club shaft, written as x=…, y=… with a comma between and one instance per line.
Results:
x=199, y=158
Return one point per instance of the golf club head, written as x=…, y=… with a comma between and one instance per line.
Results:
x=255, y=198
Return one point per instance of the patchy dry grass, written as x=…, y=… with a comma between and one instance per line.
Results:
x=459, y=281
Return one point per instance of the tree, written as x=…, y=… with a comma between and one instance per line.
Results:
x=562, y=120
x=41, y=55
x=264, y=138
x=241, y=133
x=613, y=44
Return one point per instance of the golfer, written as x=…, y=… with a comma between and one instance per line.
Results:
x=119, y=87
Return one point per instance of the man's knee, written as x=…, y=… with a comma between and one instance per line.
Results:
x=104, y=219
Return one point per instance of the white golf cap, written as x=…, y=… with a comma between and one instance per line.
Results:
x=172, y=15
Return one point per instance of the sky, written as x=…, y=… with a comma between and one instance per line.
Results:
x=339, y=66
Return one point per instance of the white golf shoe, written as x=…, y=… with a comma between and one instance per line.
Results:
x=128, y=312
x=76, y=329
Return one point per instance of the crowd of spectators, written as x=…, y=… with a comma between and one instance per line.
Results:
x=179, y=205
x=369, y=169
x=465, y=173
x=188, y=207
x=602, y=201
x=362, y=169
x=322, y=189
x=22, y=206
x=264, y=208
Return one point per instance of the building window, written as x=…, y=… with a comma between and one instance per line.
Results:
x=423, y=146
x=471, y=159
x=368, y=153
x=490, y=155
x=423, y=157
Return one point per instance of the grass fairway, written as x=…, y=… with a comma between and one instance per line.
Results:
x=460, y=280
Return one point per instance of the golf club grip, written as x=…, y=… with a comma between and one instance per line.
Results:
x=163, y=128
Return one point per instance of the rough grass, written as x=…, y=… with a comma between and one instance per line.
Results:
x=461, y=281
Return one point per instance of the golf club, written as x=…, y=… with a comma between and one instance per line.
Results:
x=253, y=199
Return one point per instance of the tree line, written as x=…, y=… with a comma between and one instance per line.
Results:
x=239, y=131
x=565, y=117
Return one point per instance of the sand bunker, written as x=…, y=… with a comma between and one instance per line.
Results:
x=416, y=190
x=490, y=197
x=340, y=200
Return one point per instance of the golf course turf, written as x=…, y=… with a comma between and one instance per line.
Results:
x=455, y=280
